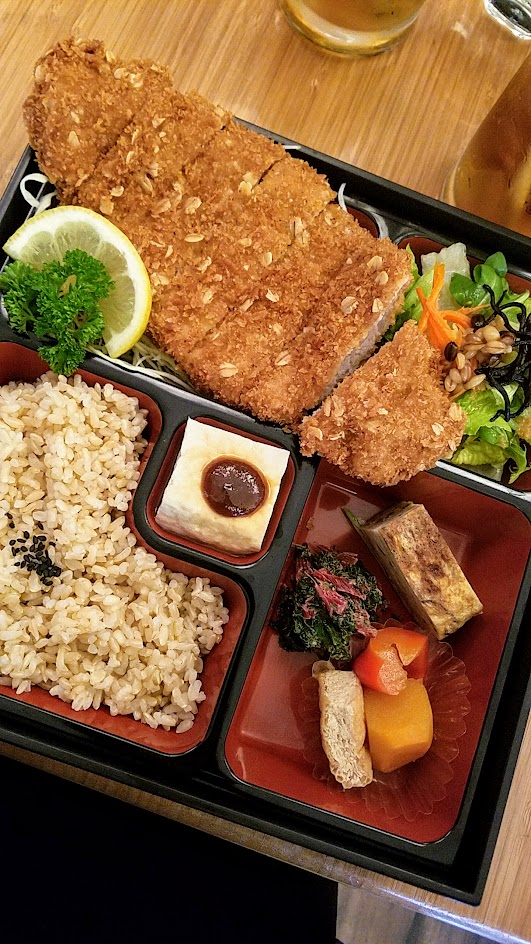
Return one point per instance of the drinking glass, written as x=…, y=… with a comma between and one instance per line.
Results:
x=353, y=27
x=513, y=14
x=492, y=179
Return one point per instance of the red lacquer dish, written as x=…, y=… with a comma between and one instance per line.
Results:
x=414, y=789
x=20, y=364
x=273, y=745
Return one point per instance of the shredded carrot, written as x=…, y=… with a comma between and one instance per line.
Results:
x=443, y=326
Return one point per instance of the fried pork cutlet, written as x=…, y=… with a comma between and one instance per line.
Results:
x=204, y=197
x=171, y=187
x=340, y=331
x=140, y=182
x=265, y=292
x=252, y=233
x=233, y=161
x=391, y=418
x=83, y=97
x=236, y=356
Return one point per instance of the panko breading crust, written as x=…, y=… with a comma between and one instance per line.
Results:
x=237, y=357
x=254, y=229
x=343, y=325
x=391, y=418
x=83, y=97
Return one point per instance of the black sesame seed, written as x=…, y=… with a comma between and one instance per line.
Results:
x=12, y=542
x=11, y=524
x=9, y=515
x=26, y=535
x=40, y=525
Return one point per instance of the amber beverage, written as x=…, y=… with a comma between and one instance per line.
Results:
x=353, y=27
x=493, y=177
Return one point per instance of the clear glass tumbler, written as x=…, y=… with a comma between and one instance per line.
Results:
x=492, y=179
x=513, y=14
x=353, y=27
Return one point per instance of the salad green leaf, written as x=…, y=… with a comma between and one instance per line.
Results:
x=412, y=309
x=487, y=441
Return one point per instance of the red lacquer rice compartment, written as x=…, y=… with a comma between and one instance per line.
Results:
x=273, y=746
x=21, y=364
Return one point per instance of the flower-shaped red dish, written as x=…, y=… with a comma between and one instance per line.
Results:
x=410, y=791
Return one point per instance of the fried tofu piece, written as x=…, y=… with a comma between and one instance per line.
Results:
x=342, y=725
x=341, y=330
x=82, y=99
x=416, y=558
x=391, y=418
x=237, y=355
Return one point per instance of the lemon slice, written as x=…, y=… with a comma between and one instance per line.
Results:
x=47, y=236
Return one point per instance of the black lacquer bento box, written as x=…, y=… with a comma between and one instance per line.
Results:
x=252, y=755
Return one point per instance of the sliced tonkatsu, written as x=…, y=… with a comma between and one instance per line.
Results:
x=234, y=359
x=254, y=231
x=266, y=292
x=391, y=418
x=340, y=330
x=83, y=97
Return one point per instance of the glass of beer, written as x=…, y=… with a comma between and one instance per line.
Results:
x=492, y=179
x=353, y=27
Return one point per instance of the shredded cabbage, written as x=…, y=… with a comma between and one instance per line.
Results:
x=146, y=358
x=341, y=198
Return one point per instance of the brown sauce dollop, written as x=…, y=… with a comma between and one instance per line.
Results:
x=232, y=487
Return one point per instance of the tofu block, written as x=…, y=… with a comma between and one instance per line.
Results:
x=223, y=489
x=420, y=565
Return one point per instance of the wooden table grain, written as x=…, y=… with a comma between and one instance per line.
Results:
x=404, y=115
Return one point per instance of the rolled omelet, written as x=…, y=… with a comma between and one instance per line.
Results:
x=416, y=558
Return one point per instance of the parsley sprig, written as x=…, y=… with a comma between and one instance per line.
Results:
x=59, y=304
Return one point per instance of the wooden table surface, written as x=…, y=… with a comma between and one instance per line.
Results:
x=404, y=115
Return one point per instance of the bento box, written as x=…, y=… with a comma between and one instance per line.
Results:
x=253, y=753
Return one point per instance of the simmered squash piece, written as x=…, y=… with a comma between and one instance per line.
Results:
x=399, y=727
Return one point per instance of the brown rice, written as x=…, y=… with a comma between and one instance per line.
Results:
x=115, y=628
